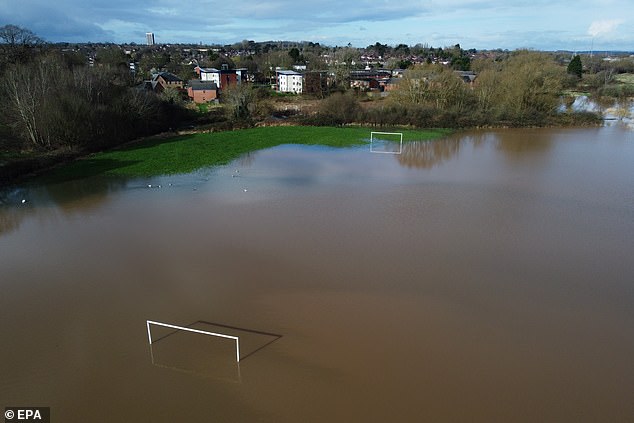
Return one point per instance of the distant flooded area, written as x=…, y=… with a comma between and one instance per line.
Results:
x=484, y=277
x=621, y=110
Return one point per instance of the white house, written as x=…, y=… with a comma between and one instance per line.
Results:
x=221, y=77
x=210, y=75
x=289, y=81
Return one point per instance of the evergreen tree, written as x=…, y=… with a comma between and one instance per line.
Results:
x=295, y=54
x=575, y=67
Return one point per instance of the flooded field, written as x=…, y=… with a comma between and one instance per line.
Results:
x=486, y=277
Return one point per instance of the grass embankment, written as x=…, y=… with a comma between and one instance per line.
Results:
x=625, y=78
x=186, y=153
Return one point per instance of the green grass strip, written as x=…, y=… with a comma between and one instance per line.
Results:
x=625, y=78
x=187, y=153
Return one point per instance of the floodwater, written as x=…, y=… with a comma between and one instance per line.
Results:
x=486, y=277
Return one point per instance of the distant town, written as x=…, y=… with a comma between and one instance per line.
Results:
x=84, y=97
x=203, y=71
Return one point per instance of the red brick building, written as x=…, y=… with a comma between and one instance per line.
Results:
x=202, y=91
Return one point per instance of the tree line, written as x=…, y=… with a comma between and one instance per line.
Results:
x=54, y=102
x=521, y=89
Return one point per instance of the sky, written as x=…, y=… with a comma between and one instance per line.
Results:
x=579, y=25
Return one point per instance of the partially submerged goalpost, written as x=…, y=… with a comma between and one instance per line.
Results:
x=376, y=137
x=220, y=335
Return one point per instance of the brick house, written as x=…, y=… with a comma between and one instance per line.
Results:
x=168, y=80
x=202, y=91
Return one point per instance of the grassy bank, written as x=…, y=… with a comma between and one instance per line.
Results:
x=187, y=153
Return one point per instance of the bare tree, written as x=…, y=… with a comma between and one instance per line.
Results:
x=25, y=88
x=13, y=35
x=15, y=43
x=241, y=101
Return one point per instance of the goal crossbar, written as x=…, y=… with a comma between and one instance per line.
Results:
x=203, y=332
x=387, y=133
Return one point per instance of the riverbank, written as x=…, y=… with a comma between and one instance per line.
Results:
x=15, y=167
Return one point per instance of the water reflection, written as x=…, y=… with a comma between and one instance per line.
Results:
x=621, y=110
x=48, y=201
x=517, y=144
x=583, y=103
x=427, y=154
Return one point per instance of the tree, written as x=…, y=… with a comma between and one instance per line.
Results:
x=526, y=87
x=295, y=54
x=223, y=61
x=112, y=56
x=241, y=101
x=339, y=109
x=435, y=86
x=85, y=108
x=16, y=43
x=25, y=88
x=410, y=87
x=486, y=90
x=575, y=67
x=402, y=49
x=379, y=48
x=462, y=63
x=346, y=59
x=152, y=61
x=13, y=36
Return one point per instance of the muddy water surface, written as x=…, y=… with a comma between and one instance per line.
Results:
x=487, y=277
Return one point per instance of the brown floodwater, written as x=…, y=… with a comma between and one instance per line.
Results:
x=486, y=277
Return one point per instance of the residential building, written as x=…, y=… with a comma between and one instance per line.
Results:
x=202, y=91
x=168, y=80
x=467, y=76
x=242, y=75
x=221, y=77
x=289, y=81
x=391, y=84
x=149, y=38
x=369, y=80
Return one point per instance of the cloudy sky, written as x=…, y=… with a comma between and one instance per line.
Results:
x=480, y=24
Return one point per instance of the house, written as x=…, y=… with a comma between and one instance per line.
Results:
x=202, y=91
x=289, y=81
x=167, y=80
x=242, y=75
x=221, y=77
x=369, y=80
x=365, y=84
x=467, y=76
x=391, y=84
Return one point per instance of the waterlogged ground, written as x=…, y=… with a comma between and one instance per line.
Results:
x=621, y=110
x=486, y=277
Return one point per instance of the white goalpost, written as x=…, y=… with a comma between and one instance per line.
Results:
x=220, y=335
x=378, y=139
